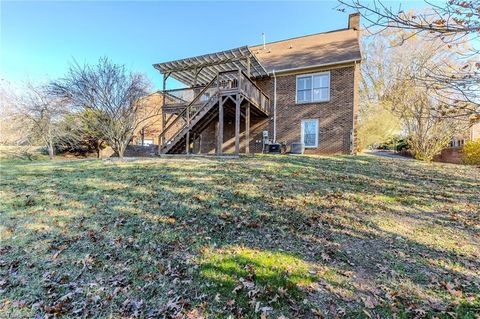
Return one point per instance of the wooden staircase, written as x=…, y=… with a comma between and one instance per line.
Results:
x=227, y=88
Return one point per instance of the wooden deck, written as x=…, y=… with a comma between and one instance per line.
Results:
x=187, y=112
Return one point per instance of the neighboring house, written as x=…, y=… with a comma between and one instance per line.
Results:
x=299, y=90
x=149, y=132
x=453, y=153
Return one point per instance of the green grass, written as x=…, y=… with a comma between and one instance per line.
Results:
x=300, y=236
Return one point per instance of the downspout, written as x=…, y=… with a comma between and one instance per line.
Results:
x=355, y=103
x=274, y=107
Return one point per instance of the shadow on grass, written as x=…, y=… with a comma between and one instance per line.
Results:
x=133, y=233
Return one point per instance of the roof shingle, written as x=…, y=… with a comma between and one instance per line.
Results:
x=309, y=51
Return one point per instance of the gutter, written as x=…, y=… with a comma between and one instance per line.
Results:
x=355, y=96
x=318, y=65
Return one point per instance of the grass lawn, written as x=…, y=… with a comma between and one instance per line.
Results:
x=262, y=237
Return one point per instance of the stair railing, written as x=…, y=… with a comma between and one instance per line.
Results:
x=254, y=93
x=191, y=108
x=222, y=83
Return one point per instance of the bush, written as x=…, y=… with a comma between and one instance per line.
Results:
x=395, y=143
x=471, y=152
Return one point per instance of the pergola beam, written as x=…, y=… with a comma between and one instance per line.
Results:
x=201, y=69
x=188, y=67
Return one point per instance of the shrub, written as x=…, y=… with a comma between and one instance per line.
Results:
x=396, y=143
x=471, y=152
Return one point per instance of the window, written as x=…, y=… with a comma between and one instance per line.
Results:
x=146, y=142
x=313, y=87
x=310, y=133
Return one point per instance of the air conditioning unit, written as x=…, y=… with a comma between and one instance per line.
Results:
x=274, y=148
x=297, y=148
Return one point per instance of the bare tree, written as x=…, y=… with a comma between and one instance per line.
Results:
x=454, y=23
x=428, y=132
x=112, y=95
x=392, y=83
x=451, y=21
x=38, y=114
x=13, y=131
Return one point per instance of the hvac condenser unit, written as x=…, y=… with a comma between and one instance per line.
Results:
x=297, y=148
x=274, y=148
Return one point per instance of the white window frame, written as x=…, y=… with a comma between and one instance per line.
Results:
x=311, y=75
x=146, y=141
x=302, y=133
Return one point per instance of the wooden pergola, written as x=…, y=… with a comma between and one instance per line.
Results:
x=199, y=70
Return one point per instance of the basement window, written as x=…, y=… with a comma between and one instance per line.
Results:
x=313, y=88
x=146, y=142
x=310, y=133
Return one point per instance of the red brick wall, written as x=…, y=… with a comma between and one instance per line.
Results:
x=208, y=139
x=336, y=117
x=450, y=155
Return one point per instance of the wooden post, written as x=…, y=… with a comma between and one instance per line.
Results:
x=187, y=138
x=197, y=72
x=237, y=124
x=248, y=67
x=199, y=144
x=220, y=126
x=217, y=123
x=239, y=81
x=161, y=141
x=247, y=128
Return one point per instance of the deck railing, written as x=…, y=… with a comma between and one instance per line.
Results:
x=238, y=80
x=190, y=101
x=227, y=81
x=182, y=120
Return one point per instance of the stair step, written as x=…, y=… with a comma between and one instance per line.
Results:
x=198, y=116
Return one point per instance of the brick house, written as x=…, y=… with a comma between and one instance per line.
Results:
x=299, y=90
x=454, y=152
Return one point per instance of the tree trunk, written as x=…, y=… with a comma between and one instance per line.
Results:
x=51, y=152
x=98, y=147
x=121, y=151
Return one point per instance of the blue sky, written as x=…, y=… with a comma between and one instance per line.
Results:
x=40, y=39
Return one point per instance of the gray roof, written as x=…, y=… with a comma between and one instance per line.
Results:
x=308, y=51
x=319, y=49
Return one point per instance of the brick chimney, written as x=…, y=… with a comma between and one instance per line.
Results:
x=354, y=21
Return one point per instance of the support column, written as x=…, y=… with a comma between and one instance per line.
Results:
x=247, y=128
x=237, y=124
x=161, y=141
x=199, y=144
x=220, y=127
x=187, y=138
